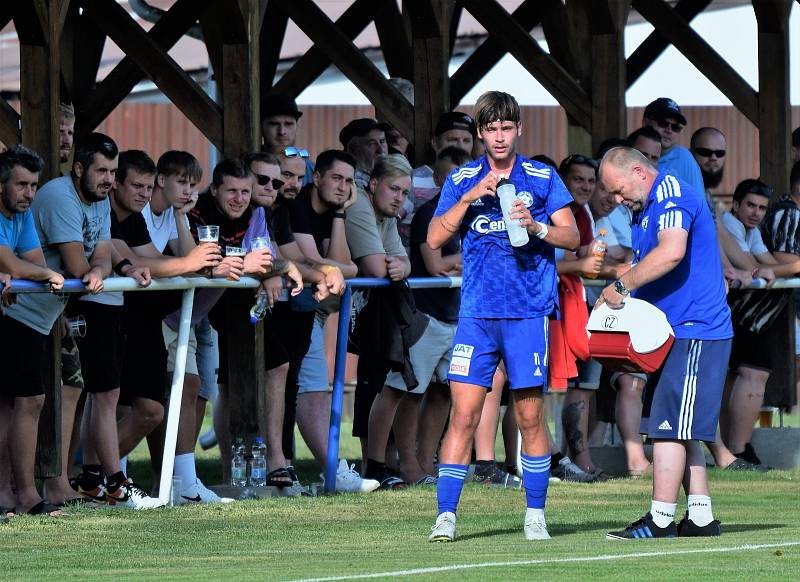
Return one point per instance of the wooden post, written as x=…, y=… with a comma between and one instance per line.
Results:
x=567, y=29
x=773, y=92
x=608, y=20
x=241, y=133
x=430, y=24
x=39, y=28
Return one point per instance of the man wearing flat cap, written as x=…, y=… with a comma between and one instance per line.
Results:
x=365, y=139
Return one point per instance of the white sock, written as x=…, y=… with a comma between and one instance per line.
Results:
x=700, y=509
x=534, y=512
x=184, y=468
x=123, y=464
x=662, y=513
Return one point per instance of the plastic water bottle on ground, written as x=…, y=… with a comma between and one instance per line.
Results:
x=507, y=193
x=599, y=248
x=238, y=464
x=258, y=466
x=259, y=309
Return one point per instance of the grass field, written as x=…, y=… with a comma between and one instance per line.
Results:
x=386, y=533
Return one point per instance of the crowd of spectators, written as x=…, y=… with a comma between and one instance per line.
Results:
x=303, y=227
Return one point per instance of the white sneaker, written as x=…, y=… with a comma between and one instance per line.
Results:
x=535, y=526
x=349, y=481
x=130, y=496
x=199, y=493
x=445, y=528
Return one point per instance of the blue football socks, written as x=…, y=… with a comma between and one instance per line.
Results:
x=449, y=485
x=535, y=478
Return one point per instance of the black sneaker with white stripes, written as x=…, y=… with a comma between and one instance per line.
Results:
x=644, y=529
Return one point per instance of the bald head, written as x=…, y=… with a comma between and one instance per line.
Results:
x=628, y=175
x=709, y=148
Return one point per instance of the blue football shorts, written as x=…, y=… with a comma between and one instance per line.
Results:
x=682, y=399
x=479, y=345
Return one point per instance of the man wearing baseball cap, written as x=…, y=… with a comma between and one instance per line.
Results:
x=454, y=128
x=666, y=118
x=365, y=139
x=279, y=117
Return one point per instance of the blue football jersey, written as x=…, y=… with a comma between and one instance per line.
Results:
x=692, y=295
x=499, y=280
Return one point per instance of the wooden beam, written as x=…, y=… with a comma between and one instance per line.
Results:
x=273, y=31
x=352, y=63
x=5, y=15
x=431, y=78
x=154, y=61
x=655, y=44
x=676, y=30
x=48, y=440
x=609, y=119
x=123, y=78
x=40, y=84
x=313, y=63
x=89, y=42
x=39, y=29
x=558, y=32
x=455, y=21
x=395, y=44
x=488, y=54
x=245, y=367
x=212, y=38
x=775, y=120
x=523, y=47
x=9, y=124
x=240, y=85
x=242, y=133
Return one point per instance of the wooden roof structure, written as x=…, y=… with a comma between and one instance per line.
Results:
x=61, y=43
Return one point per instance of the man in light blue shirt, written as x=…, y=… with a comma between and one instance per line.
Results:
x=22, y=359
x=666, y=118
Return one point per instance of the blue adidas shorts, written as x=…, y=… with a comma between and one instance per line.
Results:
x=682, y=399
x=479, y=345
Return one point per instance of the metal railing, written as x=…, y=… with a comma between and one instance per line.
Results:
x=188, y=286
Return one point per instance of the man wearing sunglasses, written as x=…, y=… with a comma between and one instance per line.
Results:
x=666, y=118
x=708, y=148
x=287, y=332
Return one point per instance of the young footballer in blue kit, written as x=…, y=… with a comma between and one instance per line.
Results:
x=677, y=268
x=508, y=296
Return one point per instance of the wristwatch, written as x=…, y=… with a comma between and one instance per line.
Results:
x=340, y=214
x=619, y=287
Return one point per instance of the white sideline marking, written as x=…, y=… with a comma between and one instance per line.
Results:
x=605, y=558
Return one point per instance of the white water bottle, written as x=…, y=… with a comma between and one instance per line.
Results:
x=507, y=193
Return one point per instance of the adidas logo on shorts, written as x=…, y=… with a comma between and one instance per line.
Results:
x=665, y=426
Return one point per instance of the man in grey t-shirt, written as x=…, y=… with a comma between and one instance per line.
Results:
x=72, y=216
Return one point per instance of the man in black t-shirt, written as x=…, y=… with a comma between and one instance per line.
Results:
x=317, y=218
x=287, y=333
x=143, y=387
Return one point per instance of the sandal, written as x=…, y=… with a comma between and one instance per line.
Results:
x=45, y=508
x=426, y=480
x=280, y=477
x=392, y=482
